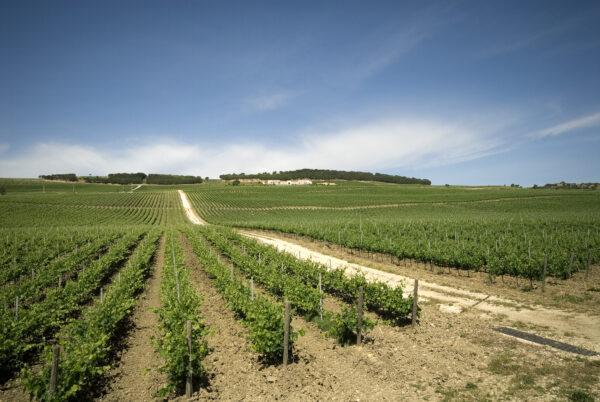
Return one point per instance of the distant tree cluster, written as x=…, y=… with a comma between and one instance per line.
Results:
x=569, y=186
x=117, y=178
x=172, y=179
x=320, y=174
x=62, y=177
x=95, y=179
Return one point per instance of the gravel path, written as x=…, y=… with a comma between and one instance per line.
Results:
x=586, y=328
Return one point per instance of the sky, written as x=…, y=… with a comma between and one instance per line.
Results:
x=459, y=92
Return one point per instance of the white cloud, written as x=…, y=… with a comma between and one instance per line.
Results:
x=270, y=101
x=375, y=146
x=592, y=120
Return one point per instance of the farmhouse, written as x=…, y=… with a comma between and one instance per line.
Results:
x=298, y=182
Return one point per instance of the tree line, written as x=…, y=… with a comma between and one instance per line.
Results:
x=569, y=186
x=172, y=179
x=127, y=178
x=117, y=178
x=321, y=174
x=62, y=177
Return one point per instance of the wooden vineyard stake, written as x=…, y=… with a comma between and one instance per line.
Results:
x=544, y=272
x=286, y=332
x=54, y=370
x=587, y=269
x=414, y=306
x=571, y=263
x=360, y=316
x=252, y=288
x=231, y=271
x=189, y=385
x=320, y=298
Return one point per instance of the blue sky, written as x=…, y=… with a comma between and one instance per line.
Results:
x=458, y=92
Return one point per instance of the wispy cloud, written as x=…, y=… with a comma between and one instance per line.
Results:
x=373, y=146
x=592, y=120
x=4, y=147
x=388, y=51
x=528, y=40
x=270, y=102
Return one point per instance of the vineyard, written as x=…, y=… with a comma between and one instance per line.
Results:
x=238, y=318
x=501, y=236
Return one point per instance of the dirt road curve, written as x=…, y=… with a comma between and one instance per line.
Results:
x=453, y=300
x=584, y=329
x=189, y=211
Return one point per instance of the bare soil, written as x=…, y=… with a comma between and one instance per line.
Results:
x=189, y=210
x=447, y=356
x=135, y=377
x=578, y=323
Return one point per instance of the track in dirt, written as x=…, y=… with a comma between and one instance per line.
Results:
x=584, y=327
x=453, y=300
x=446, y=355
x=322, y=370
x=189, y=210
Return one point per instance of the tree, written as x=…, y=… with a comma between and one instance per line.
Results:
x=236, y=182
x=2, y=190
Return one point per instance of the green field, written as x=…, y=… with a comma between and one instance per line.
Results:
x=506, y=231
x=503, y=230
x=85, y=250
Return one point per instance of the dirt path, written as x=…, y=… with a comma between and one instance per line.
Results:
x=189, y=210
x=136, y=378
x=133, y=189
x=322, y=371
x=584, y=329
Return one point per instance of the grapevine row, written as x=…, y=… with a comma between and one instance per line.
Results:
x=86, y=343
x=379, y=297
x=263, y=317
x=180, y=304
x=22, y=330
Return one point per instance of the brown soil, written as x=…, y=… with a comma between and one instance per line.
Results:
x=447, y=356
x=136, y=378
x=569, y=315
